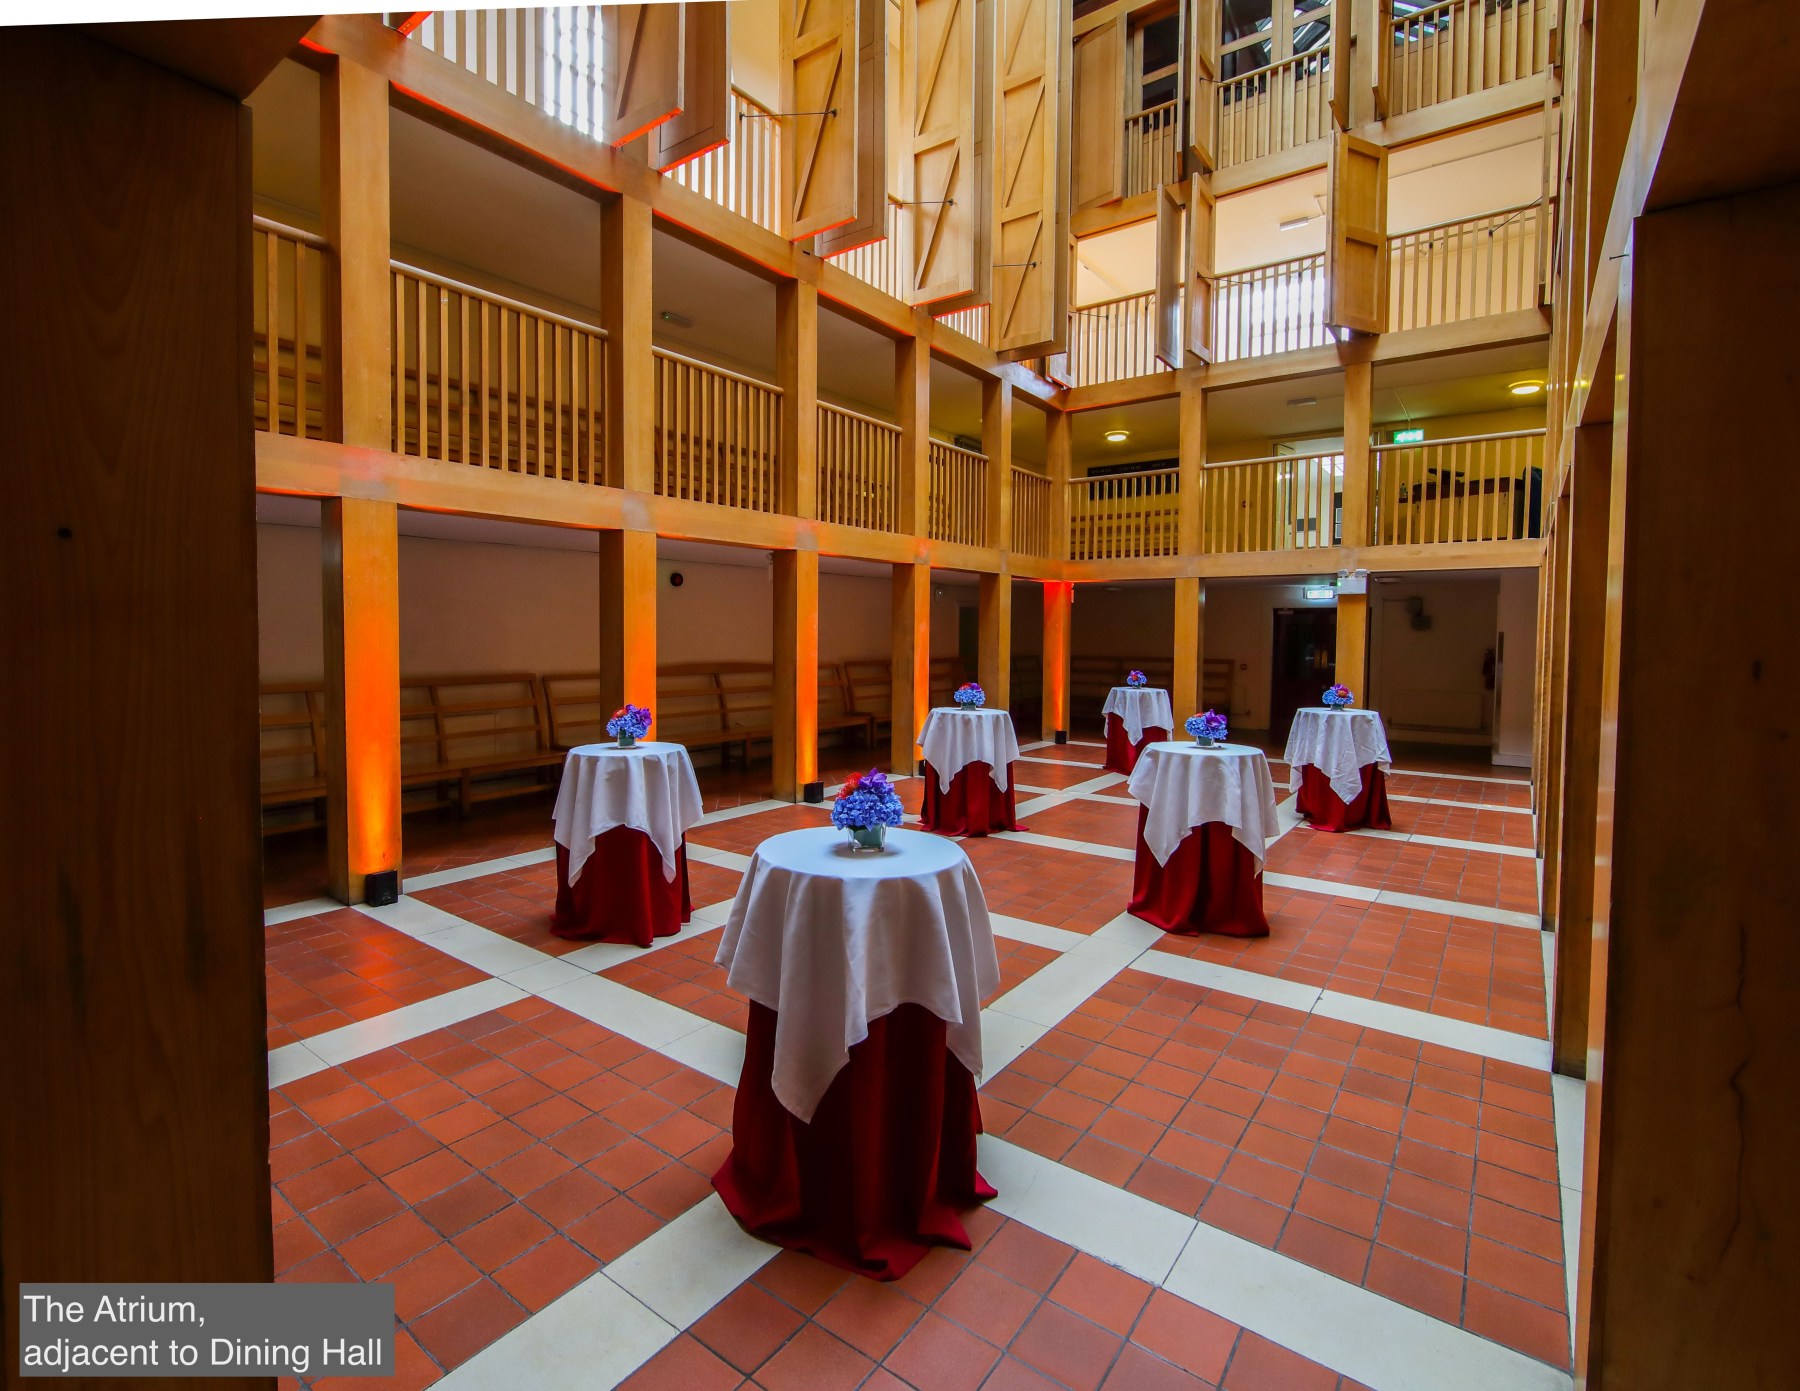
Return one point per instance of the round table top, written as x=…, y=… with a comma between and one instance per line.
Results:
x=826, y=851
x=1336, y=710
x=657, y=747
x=1145, y=690
x=965, y=710
x=1188, y=746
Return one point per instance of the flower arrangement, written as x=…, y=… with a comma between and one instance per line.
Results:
x=970, y=696
x=1339, y=697
x=628, y=724
x=1207, y=729
x=866, y=805
x=1135, y=679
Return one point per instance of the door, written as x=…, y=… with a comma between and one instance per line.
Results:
x=1305, y=663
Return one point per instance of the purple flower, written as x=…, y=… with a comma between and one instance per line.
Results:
x=1136, y=678
x=869, y=800
x=1339, y=696
x=1211, y=725
x=969, y=695
x=629, y=719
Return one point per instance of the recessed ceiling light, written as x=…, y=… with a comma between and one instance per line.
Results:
x=1526, y=388
x=1304, y=401
x=669, y=316
x=1117, y=436
x=1294, y=224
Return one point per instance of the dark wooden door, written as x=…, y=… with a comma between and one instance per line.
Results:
x=1304, y=663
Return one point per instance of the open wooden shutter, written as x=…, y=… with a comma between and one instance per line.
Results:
x=871, y=221
x=940, y=70
x=1356, y=250
x=1030, y=279
x=704, y=121
x=1383, y=40
x=1099, y=80
x=1340, y=63
x=982, y=252
x=818, y=136
x=1169, y=276
x=642, y=69
x=1203, y=81
x=1202, y=240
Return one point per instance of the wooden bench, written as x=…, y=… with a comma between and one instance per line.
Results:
x=291, y=733
x=476, y=733
x=1090, y=678
x=838, y=712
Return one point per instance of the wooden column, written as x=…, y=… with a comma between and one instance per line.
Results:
x=1358, y=481
x=1059, y=598
x=354, y=196
x=131, y=995
x=796, y=752
x=1690, y=1213
x=994, y=670
x=1188, y=687
x=797, y=373
x=1353, y=643
x=628, y=619
x=1190, y=497
x=361, y=574
x=912, y=412
x=1550, y=803
x=996, y=443
x=1057, y=464
x=911, y=666
x=625, y=313
x=1584, y=517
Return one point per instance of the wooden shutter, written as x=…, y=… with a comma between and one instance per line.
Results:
x=1384, y=57
x=818, y=149
x=940, y=70
x=982, y=252
x=871, y=221
x=642, y=69
x=1356, y=253
x=1169, y=276
x=1031, y=306
x=1340, y=63
x=1203, y=81
x=1202, y=241
x=1099, y=81
x=704, y=121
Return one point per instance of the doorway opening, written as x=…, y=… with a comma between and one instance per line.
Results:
x=1304, y=661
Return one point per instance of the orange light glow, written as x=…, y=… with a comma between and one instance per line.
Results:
x=1059, y=600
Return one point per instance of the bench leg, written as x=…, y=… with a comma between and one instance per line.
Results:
x=465, y=795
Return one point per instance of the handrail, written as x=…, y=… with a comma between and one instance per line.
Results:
x=975, y=454
x=260, y=223
x=1279, y=458
x=1105, y=479
x=1464, y=221
x=1459, y=439
x=1224, y=275
x=717, y=371
x=858, y=415
x=445, y=282
x=1108, y=303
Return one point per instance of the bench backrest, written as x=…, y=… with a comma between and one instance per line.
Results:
x=291, y=731
x=747, y=692
x=572, y=708
x=870, y=682
x=835, y=698
x=687, y=703
x=452, y=719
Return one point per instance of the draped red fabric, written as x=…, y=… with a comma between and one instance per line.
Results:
x=621, y=895
x=1210, y=884
x=1326, y=810
x=888, y=1162
x=1121, y=753
x=973, y=806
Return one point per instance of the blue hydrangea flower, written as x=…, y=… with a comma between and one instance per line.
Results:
x=1211, y=725
x=970, y=695
x=1339, y=697
x=867, y=800
x=1136, y=678
x=629, y=719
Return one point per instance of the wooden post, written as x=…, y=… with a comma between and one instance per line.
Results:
x=911, y=667
x=1358, y=480
x=1550, y=805
x=354, y=175
x=625, y=313
x=1690, y=1216
x=796, y=751
x=995, y=619
x=1059, y=598
x=361, y=554
x=797, y=373
x=1577, y=738
x=1057, y=463
x=628, y=619
x=131, y=998
x=1353, y=643
x=912, y=412
x=1191, y=480
x=996, y=443
x=1188, y=688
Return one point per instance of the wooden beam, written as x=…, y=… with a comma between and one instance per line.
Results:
x=797, y=374
x=1359, y=466
x=1188, y=687
x=910, y=671
x=1353, y=642
x=354, y=193
x=1190, y=496
x=628, y=594
x=994, y=663
x=912, y=412
x=626, y=312
x=796, y=741
x=232, y=56
x=996, y=444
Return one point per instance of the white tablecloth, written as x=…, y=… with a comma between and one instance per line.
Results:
x=953, y=739
x=650, y=788
x=1185, y=786
x=831, y=939
x=1339, y=743
x=1140, y=708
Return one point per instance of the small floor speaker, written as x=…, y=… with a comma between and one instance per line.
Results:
x=382, y=888
x=813, y=792
x=1062, y=736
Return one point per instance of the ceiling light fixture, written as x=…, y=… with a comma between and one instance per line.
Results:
x=1529, y=387
x=1117, y=436
x=669, y=316
x=1304, y=401
x=1294, y=224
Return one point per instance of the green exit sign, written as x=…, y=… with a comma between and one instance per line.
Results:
x=1409, y=437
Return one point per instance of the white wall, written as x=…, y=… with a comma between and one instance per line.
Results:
x=1518, y=614
x=1428, y=684
x=290, y=605
x=1240, y=625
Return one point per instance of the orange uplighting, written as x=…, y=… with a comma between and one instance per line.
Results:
x=1059, y=599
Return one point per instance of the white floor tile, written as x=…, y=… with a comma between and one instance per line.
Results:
x=1433, y=1028
x=1485, y=847
x=1505, y=917
x=1451, y=802
x=1248, y=985
x=685, y=1269
x=291, y=1062
x=747, y=809
x=1456, y=777
x=1568, y=1097
x=589, y=1339
x=603, y=956
x=1077, y=847
x=711, y=1049
x=1363, y=1335
x=1003, y=1039
x=1051, y=993
x=1020, y=930
x=643, y=1019
x=546, y=975
x=725, y=859
x=412, y=1021
x=306, y=908
x=1307, y=884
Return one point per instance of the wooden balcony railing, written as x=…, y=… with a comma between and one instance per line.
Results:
x=859, y=483
x=547, y=57
x=1286, y=503
x=718, y=435
x=1463, y=270
x=1030, y=512
x=1462, y=46
x=1275, y=108
x=1476, y=488
x=287, y=354
x=486, y=380
x=958, y=509
x=884, y=263
x=1124, y=516
x=1113, y=340
x=1152, y=148
x=971, y=323
x=1276, y=308
x=743, y=175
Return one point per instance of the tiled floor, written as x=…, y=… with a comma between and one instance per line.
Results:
x=511, y=1129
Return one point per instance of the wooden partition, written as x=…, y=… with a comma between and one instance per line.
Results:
x=718, y=435
x=1113, y=340
x=1030, y=512
x=1476, y=488
x=1274, y=108
x=1125, y=516
x=858, y=469
x=741, y=175
x=1464, y=269
x=959, y=495
x=1284, y=503
x=1459, y=47
x=1275, y=308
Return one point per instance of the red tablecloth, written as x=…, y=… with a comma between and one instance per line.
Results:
x=887, y=1163
x=621, y=895
x=1210, y=884
x=1326, y=810
x=1121, y=753
x=973, y=806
